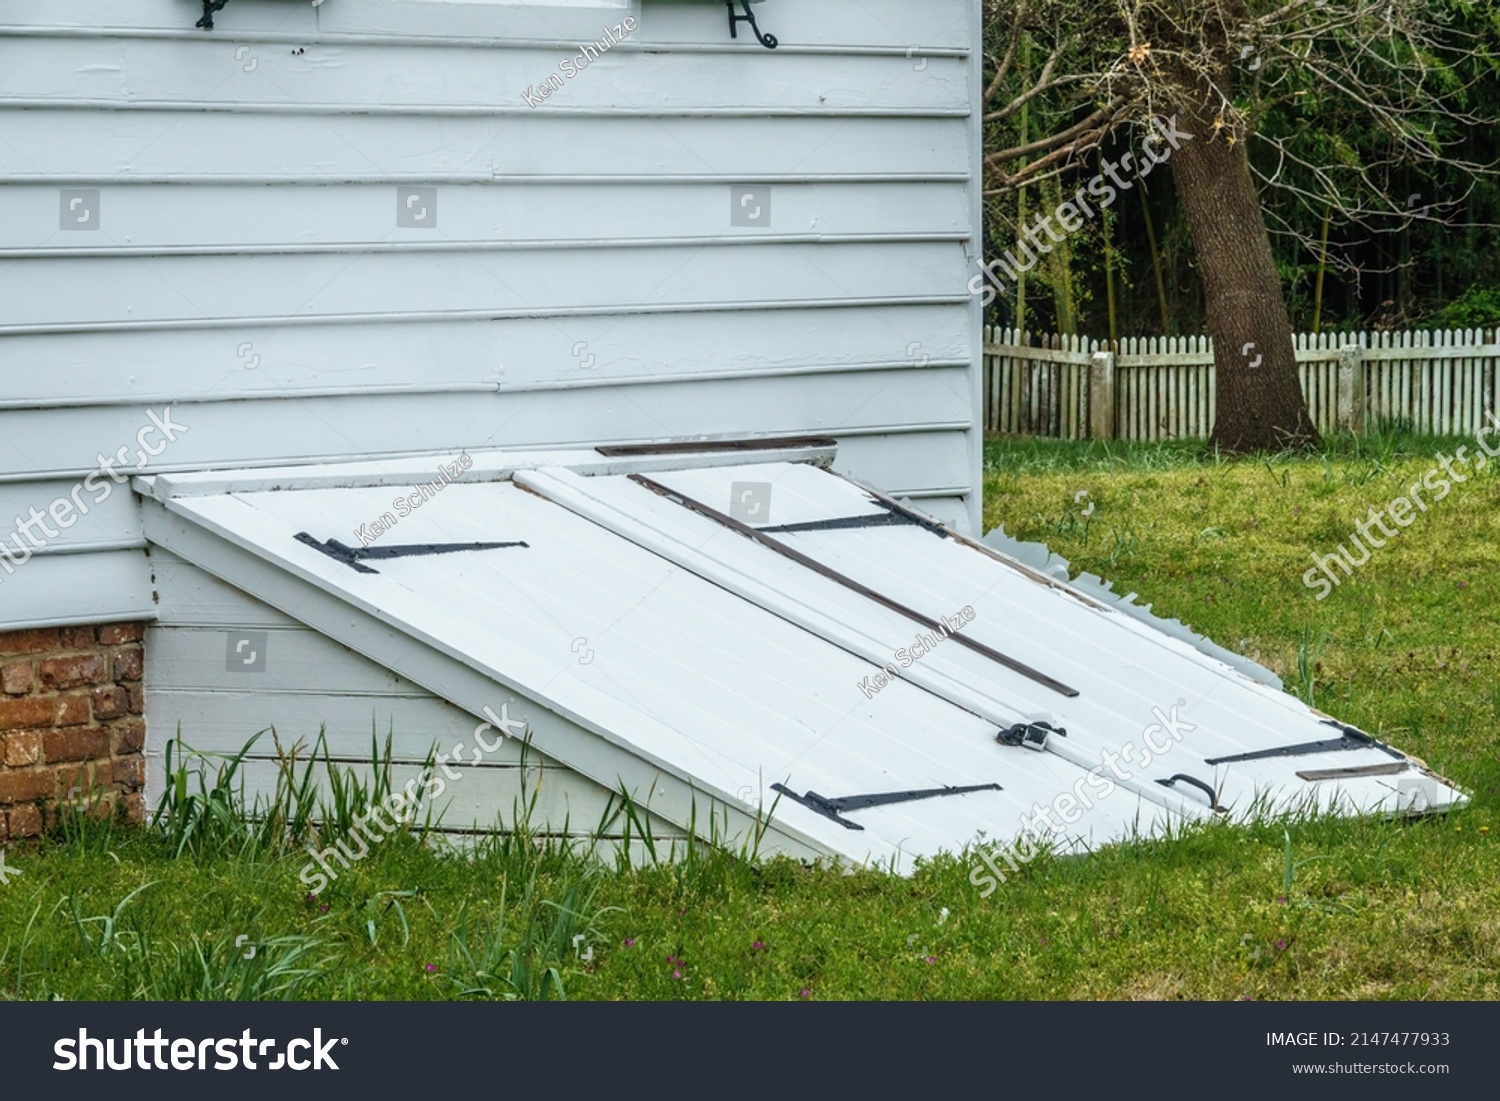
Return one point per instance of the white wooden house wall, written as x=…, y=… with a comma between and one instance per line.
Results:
x=583, y=283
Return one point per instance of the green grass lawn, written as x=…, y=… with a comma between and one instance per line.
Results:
x=1405, y=649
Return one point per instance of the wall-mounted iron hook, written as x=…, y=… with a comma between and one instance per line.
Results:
x=735, y=19
x=209, y=7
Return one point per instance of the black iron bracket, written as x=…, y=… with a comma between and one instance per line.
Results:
x=735, y=19
x=834, y=808
x=354, y=557
x=209, y=7
x=1358, y=736
x=1349, y=739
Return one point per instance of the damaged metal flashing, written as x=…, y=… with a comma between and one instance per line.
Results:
x=1041, y=558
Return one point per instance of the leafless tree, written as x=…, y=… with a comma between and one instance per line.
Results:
x=1217, y=68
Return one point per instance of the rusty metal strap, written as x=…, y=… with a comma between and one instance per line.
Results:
x=1315, y=774
x=854, y=586
x=874, y=520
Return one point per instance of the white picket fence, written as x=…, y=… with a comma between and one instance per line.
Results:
x=1162, y=388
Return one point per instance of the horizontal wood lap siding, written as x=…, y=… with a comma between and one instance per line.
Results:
x=260, y=288
x=888, y=25
x=141, y=365
x=58, y=590
x=351, y=426
x=311, y=685
x=219, y=146
x=294, y=220
x=583, y=281
x=333, y=77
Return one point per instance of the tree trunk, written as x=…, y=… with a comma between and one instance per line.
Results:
x=1260, y=402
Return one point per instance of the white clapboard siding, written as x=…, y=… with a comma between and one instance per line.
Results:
x=896, y=25
x=190, y=597
x=225, y=721
x=583, y=282
x=552, y=800
x=262, y=432
x=313, y=686
x=228, y=363
x=46, y=292
x=57, y=589
x=1445, y=382
x=490, y=217
x=895, y=459
x=892, y=25
x=83, y=144
x=201, y=73
x=103, y=517
x=196, y=657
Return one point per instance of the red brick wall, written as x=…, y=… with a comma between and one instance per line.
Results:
x=71, y=711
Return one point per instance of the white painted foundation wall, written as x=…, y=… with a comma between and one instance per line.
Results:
x=312, y=684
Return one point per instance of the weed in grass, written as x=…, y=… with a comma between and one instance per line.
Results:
x=1281, y=477
x=1290, y=867
x=87, y=824
x=200, y=818
x=204, y=811
x=377, y=913
x=30, y=936
x=1308, y=666
x=108, y=939
x=278, y=969
x=496, y=958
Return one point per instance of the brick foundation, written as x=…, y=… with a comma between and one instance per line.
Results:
x=71, y=707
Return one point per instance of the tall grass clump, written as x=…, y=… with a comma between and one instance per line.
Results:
x=205, y=810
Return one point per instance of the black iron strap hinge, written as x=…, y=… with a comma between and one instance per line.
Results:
x=354, y=557
x=834, y=808
x=1349, y=739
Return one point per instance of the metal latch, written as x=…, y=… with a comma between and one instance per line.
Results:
x=1031, y=735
